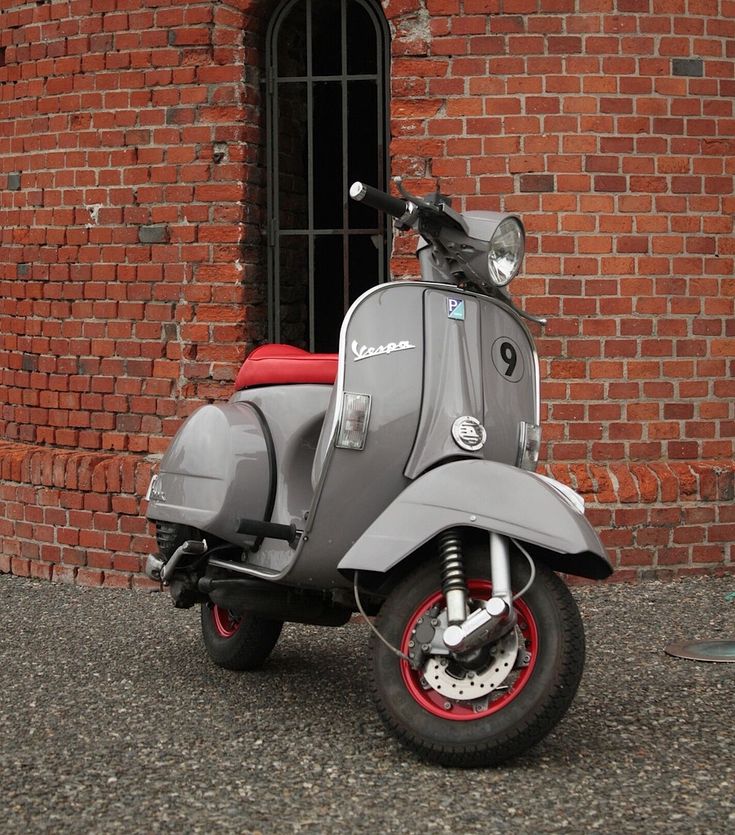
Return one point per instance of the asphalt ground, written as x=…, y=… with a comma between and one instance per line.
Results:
x=113, y=720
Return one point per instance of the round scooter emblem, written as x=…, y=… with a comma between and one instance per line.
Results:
x=469, y=433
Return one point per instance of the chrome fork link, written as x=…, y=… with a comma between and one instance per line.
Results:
x=452, y=572
x=500, y=568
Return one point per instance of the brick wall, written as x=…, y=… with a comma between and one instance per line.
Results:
x=609, y=127
x=131, y=261
x=130, y=273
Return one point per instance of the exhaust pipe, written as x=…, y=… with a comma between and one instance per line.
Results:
x=259, y=597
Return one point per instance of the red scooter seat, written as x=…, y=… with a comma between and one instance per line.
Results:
x=276, y=365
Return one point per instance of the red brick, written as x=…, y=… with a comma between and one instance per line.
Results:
x=64, y=574
x=116, y=580
x=142, y=583
x=89, y=577
x=630, y=254
x=41, y=570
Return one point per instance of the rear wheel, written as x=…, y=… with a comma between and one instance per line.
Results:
x=485, y=708
x=237, y=641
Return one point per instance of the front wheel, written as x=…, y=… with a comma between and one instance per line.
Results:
x=237, y=642
x=481, y=709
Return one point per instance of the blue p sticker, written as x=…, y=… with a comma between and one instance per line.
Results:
x=455, y=309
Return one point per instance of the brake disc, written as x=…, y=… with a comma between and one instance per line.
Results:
x=463, y=685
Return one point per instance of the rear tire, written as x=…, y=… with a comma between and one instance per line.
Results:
x=237, y=642
x=490, y=729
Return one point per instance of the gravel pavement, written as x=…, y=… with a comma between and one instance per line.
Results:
x=112, y=720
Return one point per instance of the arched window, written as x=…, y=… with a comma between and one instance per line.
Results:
x=327, y=70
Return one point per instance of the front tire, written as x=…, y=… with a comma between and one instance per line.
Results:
x=497, y=725
x=237, y=642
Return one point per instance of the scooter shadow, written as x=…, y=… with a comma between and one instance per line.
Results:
x=318, y=682
x=320, y=665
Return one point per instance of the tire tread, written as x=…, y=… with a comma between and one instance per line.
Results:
x=525, y=733
x=248, y=648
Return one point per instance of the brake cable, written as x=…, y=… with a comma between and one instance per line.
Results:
x=533, y=569
x=390, y=646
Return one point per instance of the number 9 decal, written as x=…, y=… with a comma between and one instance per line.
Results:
x=508, y=359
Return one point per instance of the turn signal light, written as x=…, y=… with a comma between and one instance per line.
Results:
x=529, y=445
x=353, y=422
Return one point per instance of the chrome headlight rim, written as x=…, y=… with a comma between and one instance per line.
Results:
x=505, y=251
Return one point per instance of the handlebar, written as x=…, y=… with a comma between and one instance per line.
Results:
x=377, y=199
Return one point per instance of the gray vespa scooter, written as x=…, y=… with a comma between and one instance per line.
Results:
x=396, y=480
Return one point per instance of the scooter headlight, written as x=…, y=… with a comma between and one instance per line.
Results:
x=506, y=251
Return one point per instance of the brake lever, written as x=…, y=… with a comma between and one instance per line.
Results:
x=441, y=212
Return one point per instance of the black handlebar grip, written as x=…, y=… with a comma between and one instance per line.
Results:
x=378, y=199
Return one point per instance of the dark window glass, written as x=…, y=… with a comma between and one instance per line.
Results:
x=293, y=302
x=362, y=56
x=293, y=169
x=325, y=130
x=328, y=291
x=329, y=197
x=365, y=254
x=291, y=51
x=363, y=163
x=326, y=50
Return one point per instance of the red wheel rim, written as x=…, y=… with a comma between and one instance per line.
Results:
x=225, y=622
x=460, y=711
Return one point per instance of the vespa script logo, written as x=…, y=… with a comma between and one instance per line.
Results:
x=364, y=352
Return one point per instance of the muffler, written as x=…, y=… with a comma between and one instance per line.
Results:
x=249, y=594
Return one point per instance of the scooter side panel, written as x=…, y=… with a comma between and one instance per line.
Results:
x=216, y=471
x=294, y=415
x=486, y=495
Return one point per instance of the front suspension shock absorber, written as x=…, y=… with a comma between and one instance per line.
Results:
x=452, y=572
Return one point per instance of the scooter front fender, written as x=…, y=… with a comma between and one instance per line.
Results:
x=543, y=514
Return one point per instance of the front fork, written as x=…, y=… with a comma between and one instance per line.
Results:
x=496, y=616
x=500, y=567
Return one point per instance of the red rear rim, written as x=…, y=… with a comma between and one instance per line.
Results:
x=463, y=711
x=225, y=622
